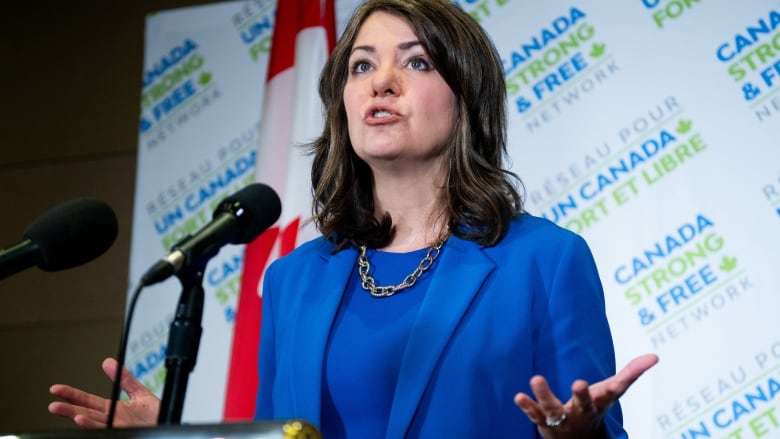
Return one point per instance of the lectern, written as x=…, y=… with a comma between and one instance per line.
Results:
x=291, y=429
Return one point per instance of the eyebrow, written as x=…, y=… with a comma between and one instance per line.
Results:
x=403, y=46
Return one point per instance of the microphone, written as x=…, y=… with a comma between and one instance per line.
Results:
x=238, y=219
x=68, y=235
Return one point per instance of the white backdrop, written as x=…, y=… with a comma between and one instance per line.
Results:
x=200, y=149
x=650, y=127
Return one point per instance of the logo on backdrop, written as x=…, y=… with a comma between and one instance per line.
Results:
x=555, y=68
x=681, y=279
x=664, y=12
x=771, y=192
x=653, y=147
x=187, y=204
x=751, y=55
x=255, y=24
x=176, y=88
x=481, y=10
x=741, y=403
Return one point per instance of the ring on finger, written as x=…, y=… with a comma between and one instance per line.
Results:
x=554, y=422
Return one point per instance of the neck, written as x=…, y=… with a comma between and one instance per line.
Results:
x=416, y=204
x=408, y=237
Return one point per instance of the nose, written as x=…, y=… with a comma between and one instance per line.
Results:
x=386, y=81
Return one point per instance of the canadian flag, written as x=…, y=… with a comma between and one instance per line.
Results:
x=304, y=35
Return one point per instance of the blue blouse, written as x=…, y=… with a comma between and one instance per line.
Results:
x=365, y=347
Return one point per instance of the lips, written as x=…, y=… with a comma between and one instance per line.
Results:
x=380, y=115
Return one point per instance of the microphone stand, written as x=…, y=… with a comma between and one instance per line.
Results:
x=183, y=342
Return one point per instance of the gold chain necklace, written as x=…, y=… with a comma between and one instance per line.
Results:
x=369, y=284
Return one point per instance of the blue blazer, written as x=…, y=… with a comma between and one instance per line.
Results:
x=492, y=318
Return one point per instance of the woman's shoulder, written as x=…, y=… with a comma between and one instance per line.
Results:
x=305, y=251
x=535, y=237
x=526, y=225
x=291, y=265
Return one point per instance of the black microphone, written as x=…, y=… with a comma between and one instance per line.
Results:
x=68, y=235
x=238, y=219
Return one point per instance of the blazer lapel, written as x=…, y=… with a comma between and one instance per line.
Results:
x=316, y=317
x=461, y=270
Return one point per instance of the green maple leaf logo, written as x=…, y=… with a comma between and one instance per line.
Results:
x=597, y=50
x=728, y=264
x=204, y=78
x=684, y=126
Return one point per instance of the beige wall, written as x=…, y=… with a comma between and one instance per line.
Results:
x=70, y=75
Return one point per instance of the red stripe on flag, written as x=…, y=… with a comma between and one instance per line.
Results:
x=292, y=16
x=242, y=376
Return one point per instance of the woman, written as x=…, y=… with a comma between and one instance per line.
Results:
x=432, y=306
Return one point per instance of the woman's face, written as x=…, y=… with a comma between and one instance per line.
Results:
x=400, y=111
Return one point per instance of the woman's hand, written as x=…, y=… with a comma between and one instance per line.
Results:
x=582, y=415
x=91, y=411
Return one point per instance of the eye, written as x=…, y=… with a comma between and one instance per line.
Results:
x=360, y=66
x=419, y=63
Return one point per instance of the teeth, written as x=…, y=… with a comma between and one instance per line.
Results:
x=381, y=113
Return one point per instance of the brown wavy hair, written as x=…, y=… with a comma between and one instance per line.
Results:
x=481, y=196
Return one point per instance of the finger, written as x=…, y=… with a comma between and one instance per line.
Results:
x=530, y=408
x=636, y=367
x=84, y=421
x=82, y=416
x=581, y=399
x=630, y=373
x=127, y=381
x=109, y=368
x=63, y=409
x=549, y=403
x=78, y=397
x=605, y=393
